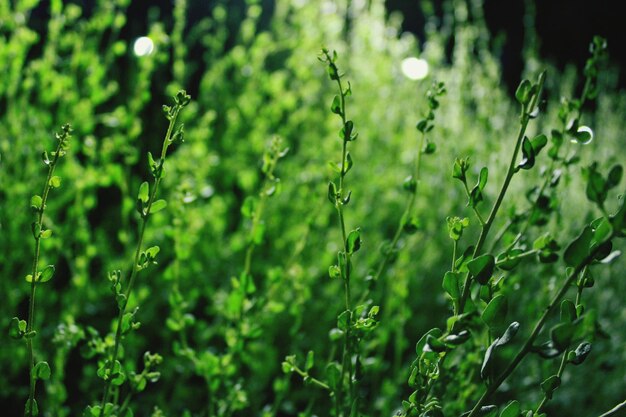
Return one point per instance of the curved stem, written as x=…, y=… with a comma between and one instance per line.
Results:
x=613, y=411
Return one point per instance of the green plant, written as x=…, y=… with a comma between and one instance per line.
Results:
x=25, y=329
x=490, y=300
x=111, y=370
x=242, y=280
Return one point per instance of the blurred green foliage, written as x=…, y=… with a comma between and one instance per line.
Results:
x=253, y=74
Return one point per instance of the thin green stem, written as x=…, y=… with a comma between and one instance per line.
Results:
x=346, y=362
x=31, y=304
x=346, y=357
x=309, y=379
x=454, y=249
x=525, y=118
x=520, y=256
x=558, y=374
x=478, y=215
x=135, y=267
x=614, y=411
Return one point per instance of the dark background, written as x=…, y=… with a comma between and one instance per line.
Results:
x=564, y=27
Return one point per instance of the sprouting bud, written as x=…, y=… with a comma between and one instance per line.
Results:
x=182, y=98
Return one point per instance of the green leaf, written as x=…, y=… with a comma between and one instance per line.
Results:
x=583, y=135
x=456, y=225
x=597, y=188
x=580, y=354
x=310, y=361
x=452, y=284
x=461, y=262
x=31, y=409
x=482, y=267
x=46, y=274
x=578, y=250
x=332, y=193
x=539, y=142
x=36, y=201
x=346, y=131
x=523, y=92
x=410, y=184
x=433, y=344
x=615, y=176
x=486, y=369
x=419, y=346
x=546, y=350
x=158, y=206
x=550, y=385
x=343, y=320
x=353, y=242
x=45, y=158
x=129, y=323
x=562, y=335
x=334, y=271
x=333, y=375
x=476, y=195
x=528, y=155
x=248, y=207
x=457, y=339
x=41, y=371
x=512, y=409
x=144, y=189
x=494, y=314
x=336, y=106
x=55, y=182
x=603, y=232
x=509, y=334
x=349, y=162
x=410, y=224
x=45, y=234
x=460, y=168
x=17, y=328
x=36, y=229
x=568, y=311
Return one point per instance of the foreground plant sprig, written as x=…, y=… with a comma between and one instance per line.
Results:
x=352, y=241
x=589, y=247
x=354, y=322
x=21, y=329
x=147, y=204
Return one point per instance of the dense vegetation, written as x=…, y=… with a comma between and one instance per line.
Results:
x=260, y=214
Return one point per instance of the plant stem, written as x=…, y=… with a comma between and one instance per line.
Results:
x=526, y=348
x=33, y=284
x=525, y=118
x=135, y=268
x=478, y=215
x=308, y=378
x=346, y=362
x=559, y=374
x=613, y=411
x=520, y=256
